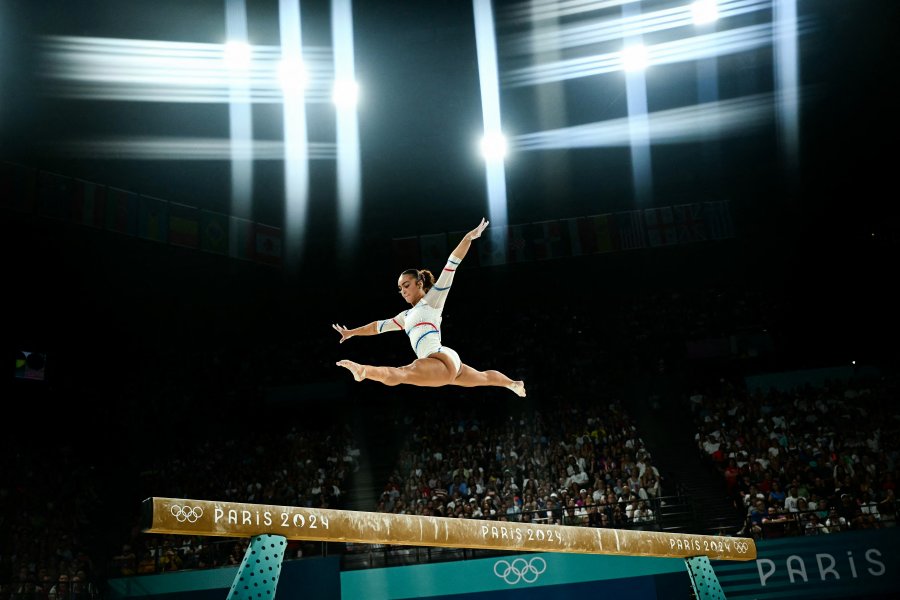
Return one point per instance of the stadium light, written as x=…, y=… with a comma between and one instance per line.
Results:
x=705, y=12
x=493, y=146
x=292, y=75
x=635, y=58
x=345, y=93
x=237, y=54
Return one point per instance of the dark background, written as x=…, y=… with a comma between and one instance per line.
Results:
x=824, y=233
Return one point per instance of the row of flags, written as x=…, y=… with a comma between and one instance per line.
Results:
x=89, y=204
x=578, y=236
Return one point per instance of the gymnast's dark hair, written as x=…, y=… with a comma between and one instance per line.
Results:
x=423, y=275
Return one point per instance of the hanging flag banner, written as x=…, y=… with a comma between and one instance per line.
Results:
x=689, y=226
x=550, y=240
x=184, y=225
x=630, y=232
x=89, y=204
x=268, y=245
x=213, y=232
x=241, y=239
x=590, y=235
x=121, y=211
x=153, y=219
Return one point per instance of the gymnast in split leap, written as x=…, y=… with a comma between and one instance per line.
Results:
x=436, y=365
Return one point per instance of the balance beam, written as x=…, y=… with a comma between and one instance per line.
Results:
x=181, y=516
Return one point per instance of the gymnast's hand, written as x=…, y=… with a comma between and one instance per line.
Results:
x=345, y=333
x=476, y=233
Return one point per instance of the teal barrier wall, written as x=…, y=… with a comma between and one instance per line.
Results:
x=538, y=575
x=854, y=564
x=864, y=564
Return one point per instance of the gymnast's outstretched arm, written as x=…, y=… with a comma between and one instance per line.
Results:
x=346, y=334
x=373, y=328
x=463, y=247
x=437, y=295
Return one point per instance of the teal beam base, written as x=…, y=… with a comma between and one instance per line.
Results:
x=257, y=577
x=703, y=579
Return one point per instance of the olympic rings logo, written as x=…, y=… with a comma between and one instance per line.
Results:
x=186, y=513
x=741, y=547
x=520, y=570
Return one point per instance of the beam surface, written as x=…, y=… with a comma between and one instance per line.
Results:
x=237, y=519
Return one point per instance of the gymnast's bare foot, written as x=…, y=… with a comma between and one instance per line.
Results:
x=518, y=387
x=359, y=371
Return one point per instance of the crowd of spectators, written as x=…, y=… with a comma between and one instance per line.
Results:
x=571, y=465
x=47, y=547
x=805, y=461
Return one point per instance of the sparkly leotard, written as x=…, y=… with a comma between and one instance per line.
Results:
x=422, y=322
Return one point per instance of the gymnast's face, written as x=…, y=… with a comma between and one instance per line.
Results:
x=410, y=288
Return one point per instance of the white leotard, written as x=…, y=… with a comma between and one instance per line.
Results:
x=422, y=322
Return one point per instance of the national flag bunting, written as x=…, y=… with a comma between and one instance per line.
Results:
x=630, y=233
x=590, y=235
x=661, y=229
x=89, y=204
x=519, y=247
x=717, y=218
x=550, y=240
x=241, y=239
x=689, y=226
x=184, y=225
x=213, y=232
x=153, y=220
x=121, y=211
x=268, y=244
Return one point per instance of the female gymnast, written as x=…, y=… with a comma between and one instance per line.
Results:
x=436, y=365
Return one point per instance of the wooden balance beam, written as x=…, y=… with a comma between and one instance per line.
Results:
x=237, y=519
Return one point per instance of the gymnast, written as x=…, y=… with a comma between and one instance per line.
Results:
x=436, y=365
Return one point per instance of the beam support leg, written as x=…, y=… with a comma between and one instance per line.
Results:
x=257, y=577
x=703, y=579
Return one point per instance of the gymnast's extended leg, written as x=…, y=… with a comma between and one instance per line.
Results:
x=433, y=371
x=469, y=377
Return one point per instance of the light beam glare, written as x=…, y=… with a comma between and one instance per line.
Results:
x=693, y=48
x=525, y=12
x=704, y=12
x=598, y=31
x=181, y=148
x=346, y=94
x=237, y=54
x=787, y=79
x=675, y=126
x=296, y=167
x=153, y=71
x=495, y=171
x=634, y=60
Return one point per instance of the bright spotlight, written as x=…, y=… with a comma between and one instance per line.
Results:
x=238, y=54
x=705, y=11
x=292, y=75
x=493, y=146
x=635, y=58
x=345, y=93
